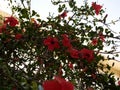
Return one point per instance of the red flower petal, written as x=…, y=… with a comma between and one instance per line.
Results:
x=94, y=42
x=59, y=79
x=96, y=7
x=65, y=84
x=52, y=85
x=74, y=53
x=66, y=41
x=70, y=65
x=87, y=54
x=51, y=42
x=11, y=21
x=18, y=36
x=58, y=84
x=68, y=86
x=63, y=15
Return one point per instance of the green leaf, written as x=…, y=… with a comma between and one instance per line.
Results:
x=33, y=13
x=24, y=13
x=34, y=85
x=63, y=6
x=72, y=3
x=60, y=9
x=111, y=34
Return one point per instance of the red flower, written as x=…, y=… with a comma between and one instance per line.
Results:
x=94, y=41
x=96, y=7
x=66, y=41
x=64, y=14
x=87, y=54
x=51, y=42
x=70, y=65
x=51, y=85
x=11, y=21
x=58, y=84
x=74, y=53
x=18, y=36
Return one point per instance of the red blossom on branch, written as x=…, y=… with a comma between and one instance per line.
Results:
x=11, y=21
x=74, y=53
x=64, y=14
x=58, y=83
x=66, y=41
x=51, y=42
x=18, y=36
x=70, y=65
x=61, y=51
x=94, y=41
x=96, y=7
x=87, y=54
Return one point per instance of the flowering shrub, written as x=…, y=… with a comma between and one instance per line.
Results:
x=61, y=53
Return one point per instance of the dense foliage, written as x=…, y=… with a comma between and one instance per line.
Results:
x=61, y=53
